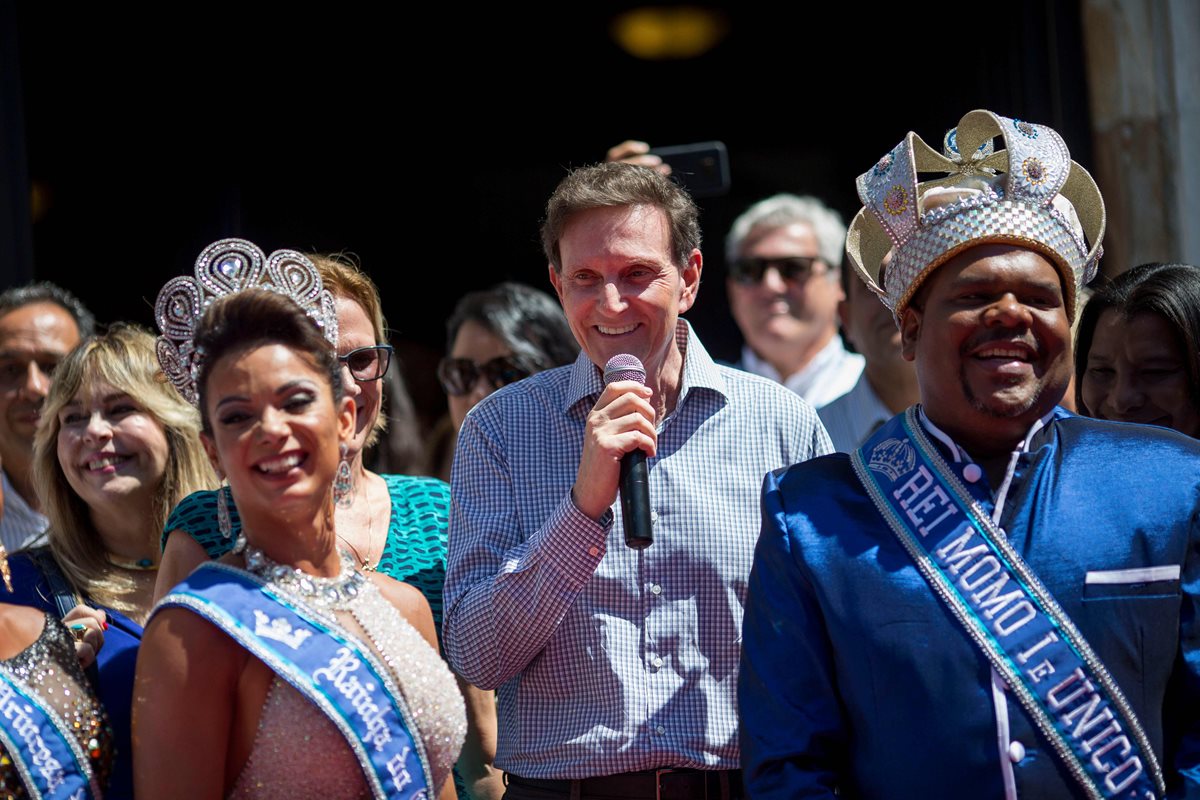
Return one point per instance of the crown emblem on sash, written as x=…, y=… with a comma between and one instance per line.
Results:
x=278, y=629
x=893, y=458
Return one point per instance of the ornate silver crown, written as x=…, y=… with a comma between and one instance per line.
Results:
x=224, y=268
x=1016, y=195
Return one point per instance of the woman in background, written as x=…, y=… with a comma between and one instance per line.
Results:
x=116, y=449
x=1137, y=354
x=496, y=337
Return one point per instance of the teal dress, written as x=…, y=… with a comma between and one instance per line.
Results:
x=415, y=550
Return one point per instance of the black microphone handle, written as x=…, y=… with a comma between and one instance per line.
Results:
x=635, y=500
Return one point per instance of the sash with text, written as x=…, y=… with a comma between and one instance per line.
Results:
x=1007, y=612
x=324, y=662
x=50, y=761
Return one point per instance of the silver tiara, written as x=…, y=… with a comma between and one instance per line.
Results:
x=224, y=268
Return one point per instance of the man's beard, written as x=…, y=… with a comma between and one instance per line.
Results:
x=1000, y=408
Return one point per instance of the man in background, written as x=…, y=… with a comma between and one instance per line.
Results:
x=888, y=383
x=39, y=324
x=784, y=258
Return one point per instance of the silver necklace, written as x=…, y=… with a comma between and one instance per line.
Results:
x=328, y=593
x=364, y=562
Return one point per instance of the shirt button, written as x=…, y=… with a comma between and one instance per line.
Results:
x=1016, y=752
x=655, y=589
x=972, y=473
x=660, y=730
x=653, y=515
x=657, y=662
x=593, y=551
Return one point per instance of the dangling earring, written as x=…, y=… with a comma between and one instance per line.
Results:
x=224, y=523
x=343, y=481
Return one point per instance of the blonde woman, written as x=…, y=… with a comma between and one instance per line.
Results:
x=116, y=449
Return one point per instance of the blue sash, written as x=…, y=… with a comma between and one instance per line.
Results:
x=324, y=663
x=50, y=762
x=1007, y=613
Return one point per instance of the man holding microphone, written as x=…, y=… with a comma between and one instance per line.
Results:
x=616, y=666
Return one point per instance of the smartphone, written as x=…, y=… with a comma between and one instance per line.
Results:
x=701, y=168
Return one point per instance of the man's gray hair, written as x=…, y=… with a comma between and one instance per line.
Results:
x=46, y=292
x=785, y=209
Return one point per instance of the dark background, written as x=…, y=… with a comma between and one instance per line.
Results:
x=426, y=140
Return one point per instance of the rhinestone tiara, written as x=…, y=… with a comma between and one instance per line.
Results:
x=1030, y=194
x=224, y=268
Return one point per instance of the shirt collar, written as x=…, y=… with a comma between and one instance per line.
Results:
x=1000, y=494
x=960, y=455
x=803, y=380
x=699, y=372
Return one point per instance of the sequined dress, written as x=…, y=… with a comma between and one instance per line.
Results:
x=294, y=736
x=49, y=668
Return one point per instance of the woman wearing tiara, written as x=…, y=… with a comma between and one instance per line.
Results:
x=287, y=635
x=394, y=524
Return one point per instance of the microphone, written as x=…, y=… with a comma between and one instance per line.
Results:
x=635, y=476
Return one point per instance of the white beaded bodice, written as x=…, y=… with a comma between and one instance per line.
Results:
x=298, y=753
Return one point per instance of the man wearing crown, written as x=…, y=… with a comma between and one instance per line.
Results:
x=991, y=597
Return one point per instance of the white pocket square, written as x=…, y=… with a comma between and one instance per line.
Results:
x=1170, y=572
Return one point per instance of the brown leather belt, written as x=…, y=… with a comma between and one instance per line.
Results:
x=655, y=784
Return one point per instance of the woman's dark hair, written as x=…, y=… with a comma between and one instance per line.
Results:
x=254, y=318
x=528, y=321
x=1171, y=291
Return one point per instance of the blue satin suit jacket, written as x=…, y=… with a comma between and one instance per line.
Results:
x=856, y=678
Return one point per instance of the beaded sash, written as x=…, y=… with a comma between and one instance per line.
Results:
x=324, y=662
x=1007, y=612
x=48, y=758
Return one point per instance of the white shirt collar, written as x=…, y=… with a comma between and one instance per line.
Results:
x=831, y=373
x=960, y=455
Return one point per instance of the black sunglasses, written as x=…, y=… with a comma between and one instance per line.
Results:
x=459, y=375
x=368, y=363
x=793, y=269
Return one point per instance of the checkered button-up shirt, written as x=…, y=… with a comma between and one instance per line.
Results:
x=609, y=659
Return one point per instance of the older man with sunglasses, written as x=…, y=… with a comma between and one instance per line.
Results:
x=785, y=255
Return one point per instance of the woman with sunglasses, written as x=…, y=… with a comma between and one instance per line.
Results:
x=496, y=337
